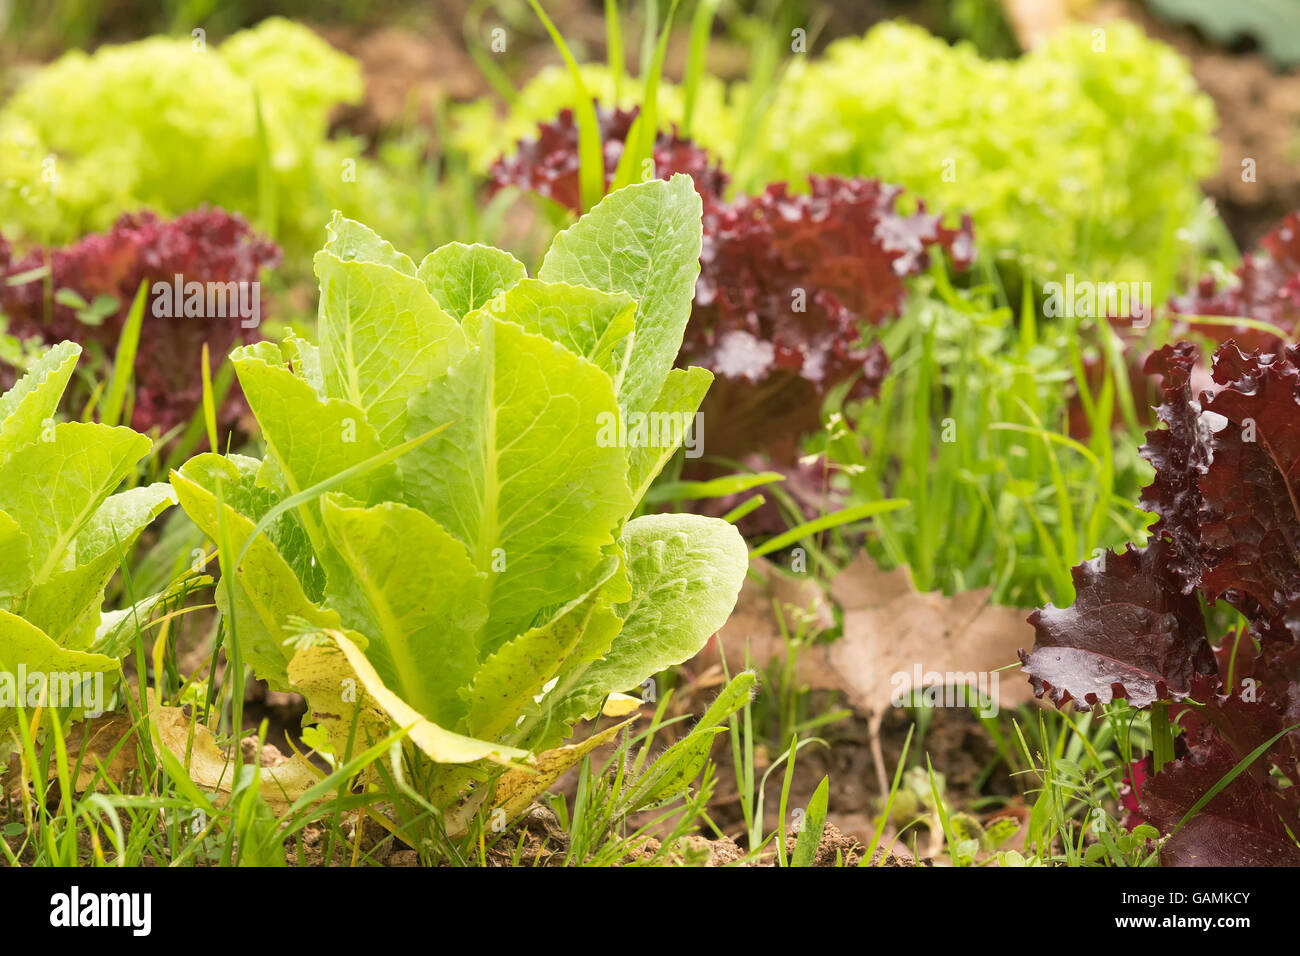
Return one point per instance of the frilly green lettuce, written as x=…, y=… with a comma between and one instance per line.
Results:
x=170, y=123
x=1083, y=154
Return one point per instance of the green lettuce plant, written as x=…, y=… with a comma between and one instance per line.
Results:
x=440, y=535
x=1081, y=155
x=168, y=124
x=63, y=534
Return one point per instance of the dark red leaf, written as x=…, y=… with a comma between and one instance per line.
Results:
x=207, y=245
x=1228, y=528
x=1180, y=453
x=1266, y=288
x=788, y=281
x=1131, y=633
x=1250, y=519
x=1246, y=823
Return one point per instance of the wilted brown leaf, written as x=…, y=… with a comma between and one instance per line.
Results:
x=214, y=770
x=891, y=632
x=94, y=744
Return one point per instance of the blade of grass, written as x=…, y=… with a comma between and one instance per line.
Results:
x=833, y=520
x=640, y=145
x=614, y=53
x=701, y=29
x=814, y=823
x=591, y=153
x=124, y=362
x=209, y=401
x=714, y=488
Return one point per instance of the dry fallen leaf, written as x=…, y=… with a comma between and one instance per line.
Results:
x=214, y=770
x=753, y=626
x=892, y=632
x=107, y=743
x=92, y=743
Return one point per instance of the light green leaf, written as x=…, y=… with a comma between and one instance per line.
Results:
x=464, y=277
x=266, y=590
x=382, y=339
x=643, y=240
x=23, y=644
x=15, y=559
x=121, y=517
x=509, y=682
x=240, y=490
x=518, y=476
x=67, y=605
x=685, y=572
x=308, y=438
x=680, y=399
x=593, y=324
x=34, y=399
x=52, y=488
x=352, y=241
x=311, y=439
x=409, y=587
x=304, y=356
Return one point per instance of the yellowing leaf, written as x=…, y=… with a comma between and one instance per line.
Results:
x=517, y=789
x=336, y=678
x=620, y=705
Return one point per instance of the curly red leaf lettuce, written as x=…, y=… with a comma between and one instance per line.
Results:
x=1227, y=467
x=1246, y=823
x=1266, y=287
x=548, y=164
x=1130, y=633
x=205, y=246
x=787, y=280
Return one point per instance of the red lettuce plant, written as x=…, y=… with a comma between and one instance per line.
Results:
x=787, y=280
x=1266, y=288
x=1228, y=530
x=787, y=283
x=548, y=165
x=45, y=295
